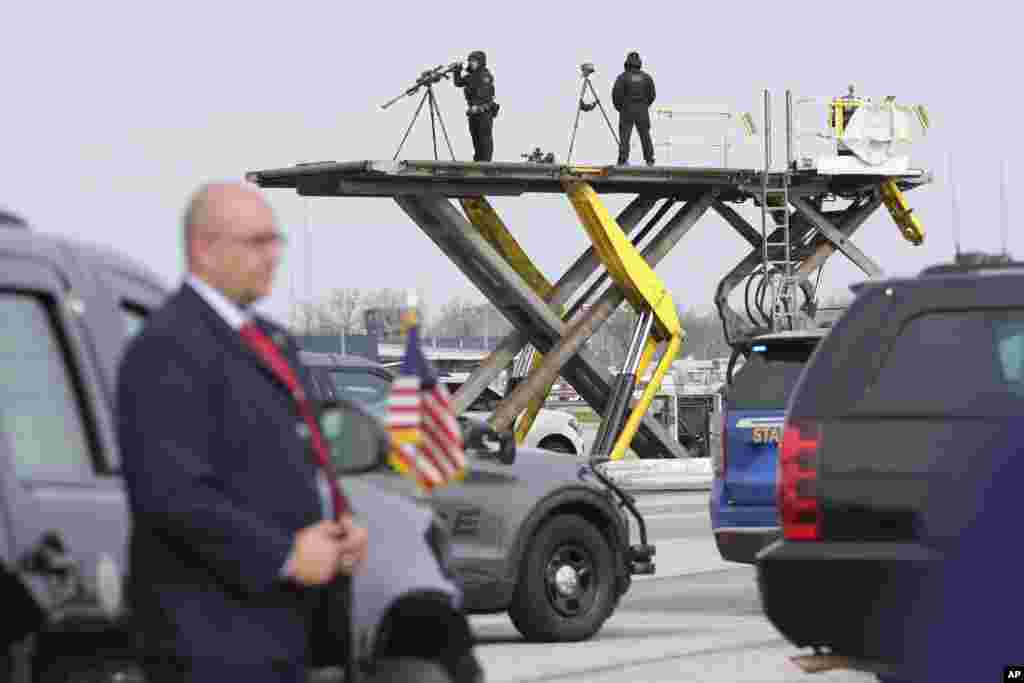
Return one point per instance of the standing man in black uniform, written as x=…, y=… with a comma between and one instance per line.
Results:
x=633, y=96
x=479, y=89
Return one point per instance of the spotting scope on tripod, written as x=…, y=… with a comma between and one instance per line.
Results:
x=586, y=71
x=426, y=81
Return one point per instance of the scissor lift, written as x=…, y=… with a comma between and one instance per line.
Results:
x=475, y=238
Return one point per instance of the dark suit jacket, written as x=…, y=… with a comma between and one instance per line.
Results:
x=218, y=482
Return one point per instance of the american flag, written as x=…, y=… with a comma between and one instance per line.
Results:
x=425, y=435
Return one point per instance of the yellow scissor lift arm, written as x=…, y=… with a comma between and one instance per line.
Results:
x=909, y=224
x=658, y=322
x=641, y=287
x=486, y=220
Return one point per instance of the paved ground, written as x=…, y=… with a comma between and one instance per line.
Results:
x=590, y=433
x=698, y=619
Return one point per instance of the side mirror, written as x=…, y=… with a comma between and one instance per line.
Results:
x=357, y=441
x=481, y=437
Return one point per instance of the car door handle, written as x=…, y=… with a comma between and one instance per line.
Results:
x=50, y=558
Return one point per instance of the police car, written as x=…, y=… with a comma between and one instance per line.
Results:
x=533, y=533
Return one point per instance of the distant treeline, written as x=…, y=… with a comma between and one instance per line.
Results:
x=344, y=311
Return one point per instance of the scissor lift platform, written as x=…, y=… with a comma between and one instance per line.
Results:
x=456, y=179
x=477, y=241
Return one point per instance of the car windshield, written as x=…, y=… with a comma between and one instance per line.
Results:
x=362, y=386
x=769, y=375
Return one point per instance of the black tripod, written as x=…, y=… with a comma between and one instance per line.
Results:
x=586, y=70
x=427, y=80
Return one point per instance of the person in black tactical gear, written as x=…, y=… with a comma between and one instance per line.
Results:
x=478, y=86
x=632, y=96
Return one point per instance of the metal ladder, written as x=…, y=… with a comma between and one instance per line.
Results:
x=775, y=211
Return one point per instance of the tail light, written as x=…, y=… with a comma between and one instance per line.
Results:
x=719, y=459
x=797, y=481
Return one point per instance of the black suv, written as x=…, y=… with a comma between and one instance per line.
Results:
x=896, y=407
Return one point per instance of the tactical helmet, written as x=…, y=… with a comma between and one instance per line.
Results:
x=479, y=56
x=11, y=219
x=633, y=59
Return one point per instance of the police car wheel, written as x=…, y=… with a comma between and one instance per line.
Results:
x=566, y=588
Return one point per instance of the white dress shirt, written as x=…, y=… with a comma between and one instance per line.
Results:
x=232, y=314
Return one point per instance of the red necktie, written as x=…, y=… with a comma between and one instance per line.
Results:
x=269, y=352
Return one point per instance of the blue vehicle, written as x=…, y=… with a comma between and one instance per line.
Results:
x=744, y=516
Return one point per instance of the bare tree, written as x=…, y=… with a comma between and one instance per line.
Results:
x=458, y=318
x=704, y=337
x=385, y=298
x=342, y=310
x=394, y=301
x=304, y=318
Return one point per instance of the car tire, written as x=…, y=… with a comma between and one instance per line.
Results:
x=557, y=444
x=566, y=587
x=408, y=670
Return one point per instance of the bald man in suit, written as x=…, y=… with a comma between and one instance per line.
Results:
x=230, y=548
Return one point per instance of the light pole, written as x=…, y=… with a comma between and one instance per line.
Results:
x=309, y=268
x=487, y=324
x=1004, y=205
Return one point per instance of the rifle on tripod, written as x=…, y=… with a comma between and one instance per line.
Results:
x=427, y=80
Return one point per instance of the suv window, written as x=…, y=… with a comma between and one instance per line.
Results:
x=362, y=386
x=1009, y=339
x=39, y=410
x=767, y=378
x=951, y=362
x=133, y=316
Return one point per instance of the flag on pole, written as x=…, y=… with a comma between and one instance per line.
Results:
x=426, y=441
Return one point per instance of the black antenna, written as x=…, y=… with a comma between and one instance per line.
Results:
x=1004, y=206
x=955, y=208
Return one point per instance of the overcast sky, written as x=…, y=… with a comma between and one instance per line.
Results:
x=114, y=112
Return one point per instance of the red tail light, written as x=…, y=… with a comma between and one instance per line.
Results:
x=797, y=480
x=719, y=461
